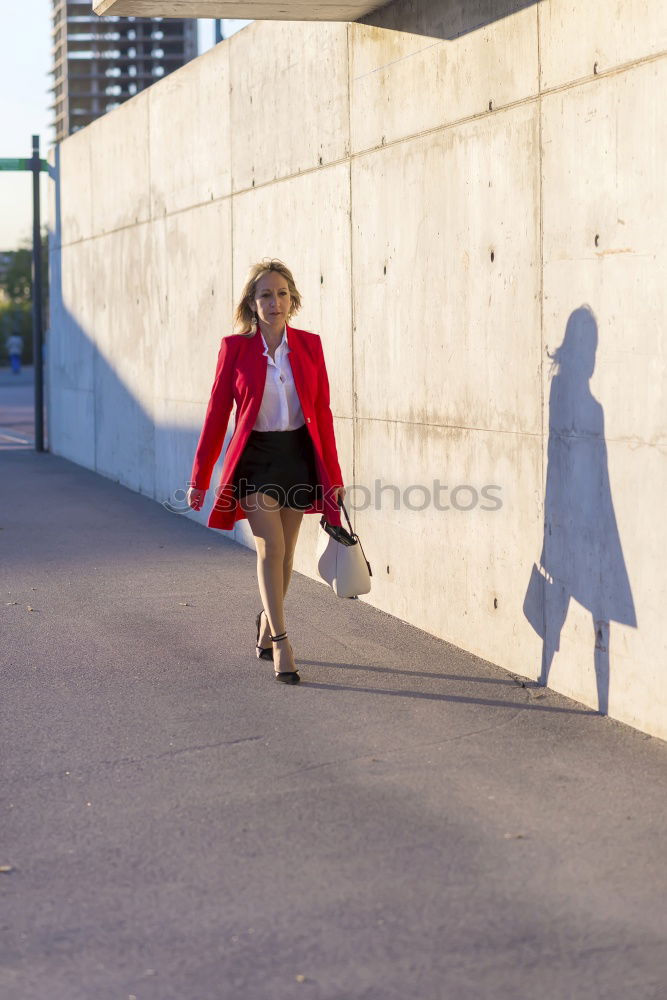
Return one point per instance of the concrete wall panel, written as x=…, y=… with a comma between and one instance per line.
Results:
x=120, y=166
x=124, y=360
x=391, y=71
x=605, y=214
x=192, y=316
x=577, y=40
x=448, y=322
x=289, y=102
x=626, y=298
x=201, y=169
x=467, y=570
x=76, y=188
x=72, y=423
x=608, y=179
x=72, y=346
x=71, y=354
x=605, y=460
x=605, y=406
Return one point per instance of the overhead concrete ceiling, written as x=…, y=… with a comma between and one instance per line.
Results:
x=259, y=10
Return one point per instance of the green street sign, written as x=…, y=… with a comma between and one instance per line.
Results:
x=20, y=164
x=14, y=164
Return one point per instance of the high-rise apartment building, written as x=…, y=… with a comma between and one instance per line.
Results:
x=99, y=62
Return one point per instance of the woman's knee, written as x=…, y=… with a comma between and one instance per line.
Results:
x=270, y=548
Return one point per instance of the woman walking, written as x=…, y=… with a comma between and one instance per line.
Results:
x=282, y=460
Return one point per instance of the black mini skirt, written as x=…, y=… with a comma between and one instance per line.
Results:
x=282, y=465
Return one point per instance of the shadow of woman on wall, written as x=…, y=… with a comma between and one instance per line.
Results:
x=581, y=552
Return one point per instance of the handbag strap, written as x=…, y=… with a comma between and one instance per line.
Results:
x=341, y=504
x=355, y=536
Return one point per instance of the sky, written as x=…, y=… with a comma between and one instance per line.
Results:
x=25, y=64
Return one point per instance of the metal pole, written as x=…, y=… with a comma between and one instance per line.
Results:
x=37, y=333
x=218, y=30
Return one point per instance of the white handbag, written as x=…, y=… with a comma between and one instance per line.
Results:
x=341, y=561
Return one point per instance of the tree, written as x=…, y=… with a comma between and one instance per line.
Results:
x=16, y=310
x=16, y=282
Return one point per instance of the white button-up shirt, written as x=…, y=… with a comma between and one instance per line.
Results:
x=280, y=409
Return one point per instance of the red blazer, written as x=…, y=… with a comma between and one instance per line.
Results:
x=239, y=378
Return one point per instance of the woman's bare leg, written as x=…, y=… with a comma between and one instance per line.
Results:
x=264, y=518
x=291, y=524
x=291, y=521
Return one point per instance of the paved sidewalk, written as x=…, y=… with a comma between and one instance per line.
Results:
x=410, y=823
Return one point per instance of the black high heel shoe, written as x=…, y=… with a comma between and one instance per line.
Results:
x=263, y=652
x=287, y=676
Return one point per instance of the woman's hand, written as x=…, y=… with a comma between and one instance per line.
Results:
x=339, y=494
x=195, y=498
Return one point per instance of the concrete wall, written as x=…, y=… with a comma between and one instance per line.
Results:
x=457, y=202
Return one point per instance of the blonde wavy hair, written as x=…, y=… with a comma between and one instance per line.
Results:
x=245, y=318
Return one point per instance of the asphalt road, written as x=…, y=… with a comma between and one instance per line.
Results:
x=17, y=409
x=410, y=823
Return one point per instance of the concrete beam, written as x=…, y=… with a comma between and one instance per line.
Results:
x=258, y=10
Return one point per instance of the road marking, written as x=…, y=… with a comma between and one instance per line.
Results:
x=12, y=437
